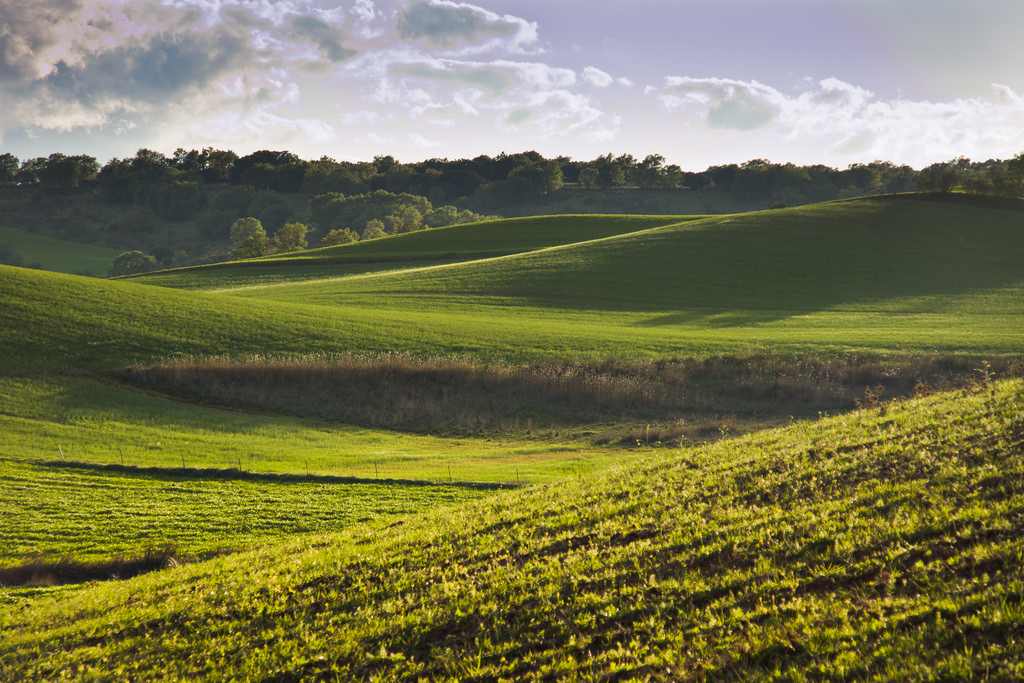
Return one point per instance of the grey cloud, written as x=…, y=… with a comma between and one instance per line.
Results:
x=497, y=77
x=449, y=24
x=149, y=73
x=27, y=28
x=327, y=37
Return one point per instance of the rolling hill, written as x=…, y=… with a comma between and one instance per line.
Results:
x=879, y=544
x=910, y=272
x=899, y=254
x=58, y=255
x=442, y=245
x=93, y=470
x=885, y=544
x=895, y=273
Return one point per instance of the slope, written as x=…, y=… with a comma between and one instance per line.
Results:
x=91, y=470
x=442, y=245
x=878, y=545
x=55, y=254
x=902, y=253
x=903, y=271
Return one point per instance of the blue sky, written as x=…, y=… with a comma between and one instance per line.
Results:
x=700, y=81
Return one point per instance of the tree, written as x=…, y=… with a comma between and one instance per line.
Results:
x=589, y=178
x=248, y=238
x=374, y=229
x=611, y=172
x=409, y=219
x=540, y=178
x=64, y=172
x=291, y=237
x=339, y=236
x=1014, y=183
x=941, y=177
x=8, y=168
x=648, y=173
x=132, y=262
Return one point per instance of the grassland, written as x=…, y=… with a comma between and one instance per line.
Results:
x=902, y=273
x=880, y=544
x=910, y=272
x=885, y=544
x=428, y=247
x=894, y=255
x=92, y=470
x=54, y=254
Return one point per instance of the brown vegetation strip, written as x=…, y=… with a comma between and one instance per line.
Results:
x=234, y=474
x=457, y=395
x=58, y=572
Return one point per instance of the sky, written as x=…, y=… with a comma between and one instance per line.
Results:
x=701, y=82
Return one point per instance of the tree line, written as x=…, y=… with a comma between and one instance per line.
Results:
x=344, y=201
x=182, y=176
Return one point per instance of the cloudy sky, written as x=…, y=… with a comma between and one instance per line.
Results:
x=700, y=81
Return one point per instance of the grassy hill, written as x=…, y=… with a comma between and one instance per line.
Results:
x=442, y=245
x=885, y=544
x=59, y=255
x=115, y=472
x=896, y=253
x=898, y=273
x=880, y=544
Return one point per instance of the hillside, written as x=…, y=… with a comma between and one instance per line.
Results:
x=897, y=253
x=899, y=273
x=912, y=271
x=426, y=247
x=115, y=472
x=883, y=544
x=54, y=254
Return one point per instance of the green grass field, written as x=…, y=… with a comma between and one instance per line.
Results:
x=901, y=273
x=104, y=464
x=883, y=544
x=55, y=254
x=427, y=247
x=895, y=255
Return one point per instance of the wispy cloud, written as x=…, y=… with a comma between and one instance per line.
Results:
x=851, y=122
x=465, y=27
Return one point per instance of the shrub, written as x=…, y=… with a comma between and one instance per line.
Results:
x=374, y=230
x=132, y=262
x=410, y=219
x=339, y=236
x=291, y=237
x=248, y=238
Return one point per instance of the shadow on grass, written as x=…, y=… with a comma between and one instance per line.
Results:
x=234, y=474
x=714, y=318
x=43, y=572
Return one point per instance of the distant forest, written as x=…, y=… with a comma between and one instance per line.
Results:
x=181, y=208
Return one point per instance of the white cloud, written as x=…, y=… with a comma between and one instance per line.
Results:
x=364, y=10
x=423, y=142
x=554, y=112
x=726, y=103
x=846, y=121
x=529, y=97
x=597, y=77
x=494, y=77
x=245, y=130
x=464, y=27
x=362, y=117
